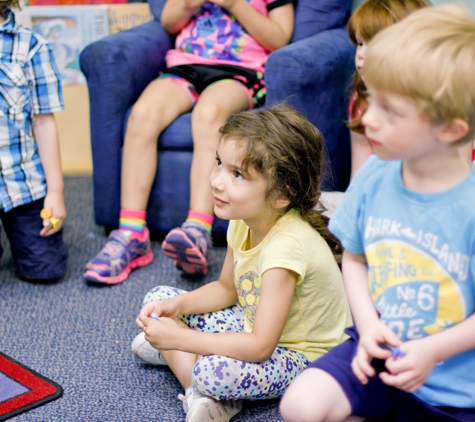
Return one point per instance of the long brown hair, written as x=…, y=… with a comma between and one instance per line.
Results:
x=285, y=148
x=371, y=17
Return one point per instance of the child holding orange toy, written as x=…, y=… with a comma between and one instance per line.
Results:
x=32, y=206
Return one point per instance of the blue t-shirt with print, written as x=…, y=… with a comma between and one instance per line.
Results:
x=420, y=250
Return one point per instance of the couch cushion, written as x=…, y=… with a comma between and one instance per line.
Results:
x=313, y=16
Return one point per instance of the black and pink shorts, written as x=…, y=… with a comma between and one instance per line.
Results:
x=195, y=78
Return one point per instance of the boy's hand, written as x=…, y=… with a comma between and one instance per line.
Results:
x=55, y=203
x=159, y=308
x=369, y=348
x=408, y=373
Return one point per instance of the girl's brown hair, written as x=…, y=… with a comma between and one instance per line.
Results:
x=285, y=148
x=371, y=17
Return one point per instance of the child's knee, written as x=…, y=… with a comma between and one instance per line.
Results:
x=294, y=409
x=47, y=263
x=142, y=113
x=208, y=114
x=161, y=293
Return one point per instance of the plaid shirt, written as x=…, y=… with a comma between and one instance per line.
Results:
x=29, y=84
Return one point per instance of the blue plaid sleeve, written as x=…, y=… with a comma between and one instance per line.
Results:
x=45, y=81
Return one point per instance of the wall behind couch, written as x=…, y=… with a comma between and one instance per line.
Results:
x=470, y=4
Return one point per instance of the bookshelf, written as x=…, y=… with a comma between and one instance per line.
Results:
x=74, y=131
x=69, y=26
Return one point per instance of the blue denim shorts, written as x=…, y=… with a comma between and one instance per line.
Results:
x=35, y=256
x=376, y=400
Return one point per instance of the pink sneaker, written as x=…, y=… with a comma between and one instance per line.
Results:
x=189, y=247
x=122, y=253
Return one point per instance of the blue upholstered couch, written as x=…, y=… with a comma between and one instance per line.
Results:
x=312, y=73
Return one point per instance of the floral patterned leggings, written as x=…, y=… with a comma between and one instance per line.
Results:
x=225, y=378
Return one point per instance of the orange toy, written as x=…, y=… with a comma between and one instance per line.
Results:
x=46, y=213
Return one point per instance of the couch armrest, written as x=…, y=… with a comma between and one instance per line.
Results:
x=314, y=76
x=117, y=68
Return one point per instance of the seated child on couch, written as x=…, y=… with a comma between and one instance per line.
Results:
x=216, y=69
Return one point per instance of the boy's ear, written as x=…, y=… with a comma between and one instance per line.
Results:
x=453, y=131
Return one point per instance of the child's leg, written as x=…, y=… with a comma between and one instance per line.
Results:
x=225, y=378
x=150, y=115
x=40, y=258
x=189, y=245
x=129, y=247
x=225, y=320
x=315, y=396
x=220, y=383
x=360, y=151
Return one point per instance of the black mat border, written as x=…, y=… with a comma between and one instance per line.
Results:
x=59, y=391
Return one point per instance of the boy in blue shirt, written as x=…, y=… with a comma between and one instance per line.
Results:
x=30, y=166
x=407, y=223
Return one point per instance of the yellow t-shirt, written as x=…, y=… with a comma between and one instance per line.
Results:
x=319, y=311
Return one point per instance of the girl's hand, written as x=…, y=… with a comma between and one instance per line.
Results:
x=227, y=4
x=160, y=333
x=193, y=4
x=409, y=372
x=55, y=203
x=159, y=308
x=369, y=347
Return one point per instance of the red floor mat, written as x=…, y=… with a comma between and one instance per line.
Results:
x=22, y=389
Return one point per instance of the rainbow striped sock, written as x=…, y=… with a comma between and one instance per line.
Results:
x=132, y=220
x=205, y=220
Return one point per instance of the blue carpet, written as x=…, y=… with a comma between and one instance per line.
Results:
x=79, y=336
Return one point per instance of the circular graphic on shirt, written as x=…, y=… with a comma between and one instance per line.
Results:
x=413, y=293
x=249, y=292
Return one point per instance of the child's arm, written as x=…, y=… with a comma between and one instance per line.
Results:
x=371, y=330
x=276, y=297
x=411, y=371
x=211, y=297
x=271, y=32
x=177, y=13
x=46, y=136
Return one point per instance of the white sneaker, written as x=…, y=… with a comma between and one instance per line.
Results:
x=201, y=408
x=146, y=352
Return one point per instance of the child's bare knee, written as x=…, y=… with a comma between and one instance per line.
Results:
x=208, y=115
x=294, y=409
x=142, y=113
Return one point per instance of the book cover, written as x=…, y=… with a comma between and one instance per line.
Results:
x=125, y=16
x=68, y=30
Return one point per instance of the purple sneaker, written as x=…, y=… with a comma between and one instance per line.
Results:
x=122, y=253
x=189, y=247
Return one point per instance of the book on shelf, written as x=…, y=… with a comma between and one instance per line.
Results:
x=68, y=30
x=126, y=16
